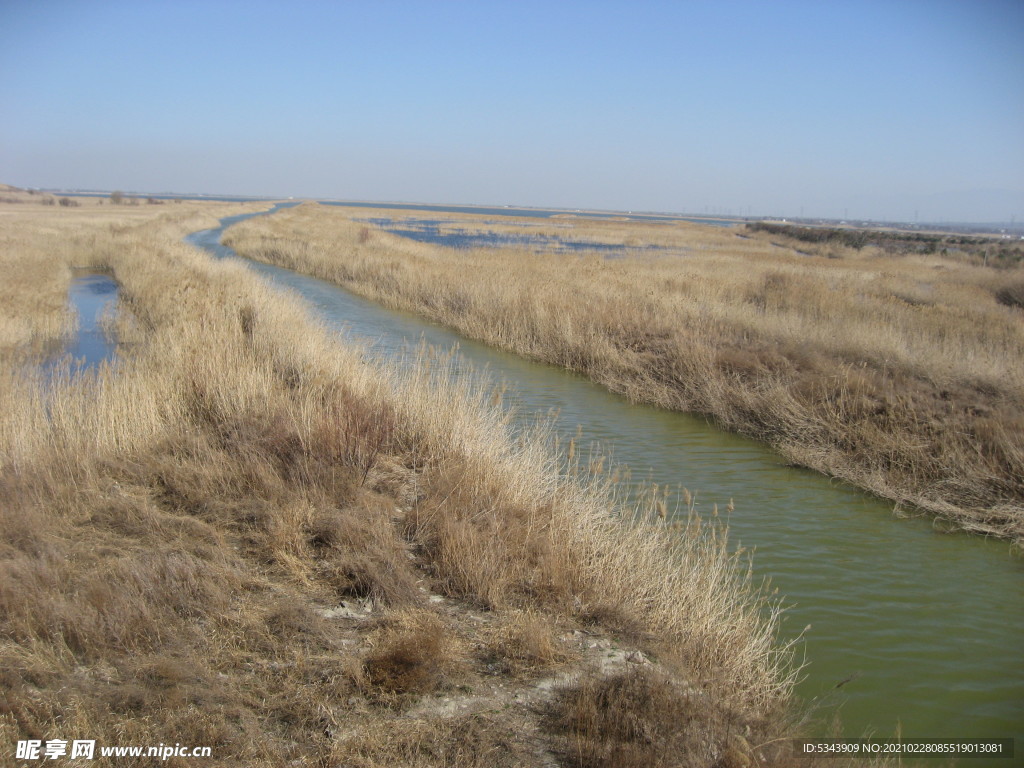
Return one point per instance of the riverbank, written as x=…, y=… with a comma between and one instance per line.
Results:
x=251, y=538
x=901, y=376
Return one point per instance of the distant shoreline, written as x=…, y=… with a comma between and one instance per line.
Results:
x=964, y=227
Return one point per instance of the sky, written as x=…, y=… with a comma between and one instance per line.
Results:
x=909, y=110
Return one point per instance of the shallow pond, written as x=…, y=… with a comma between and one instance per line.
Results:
x=443, y=233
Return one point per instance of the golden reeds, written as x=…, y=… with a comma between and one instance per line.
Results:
x=904, y=376
x=246, y=535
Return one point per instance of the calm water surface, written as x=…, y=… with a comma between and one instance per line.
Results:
x=535, y=213
x=90, y=295
x=926, y=629
x=430, y=231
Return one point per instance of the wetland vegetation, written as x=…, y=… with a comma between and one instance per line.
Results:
x=249, y=536
x=900, y=372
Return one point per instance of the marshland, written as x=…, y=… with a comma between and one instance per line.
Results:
x=899, y=373
x=889, y=625
x=250, y=531
x=510, y=384
x=243, y=533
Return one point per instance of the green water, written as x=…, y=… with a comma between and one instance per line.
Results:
x=925, y=628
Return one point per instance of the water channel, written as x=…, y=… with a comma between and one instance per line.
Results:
x=91, y=296
x=921, y=631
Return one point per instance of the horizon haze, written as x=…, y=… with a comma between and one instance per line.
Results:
x=910, y=111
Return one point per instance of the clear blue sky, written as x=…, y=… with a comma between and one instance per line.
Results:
x=836, y=108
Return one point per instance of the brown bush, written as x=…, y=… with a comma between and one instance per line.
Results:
x=639, y=718
x=413, y=655
x=1011, y=294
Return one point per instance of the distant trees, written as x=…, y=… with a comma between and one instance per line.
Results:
x=116, y=197
x=854, y=238
x=977, y=249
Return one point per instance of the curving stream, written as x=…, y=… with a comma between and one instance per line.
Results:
x=922, y=632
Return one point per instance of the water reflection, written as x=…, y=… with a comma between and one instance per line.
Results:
x=92, y=296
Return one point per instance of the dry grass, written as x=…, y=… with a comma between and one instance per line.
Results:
x=248, y=537
x=639, y=718
x=412, y=653
x=524, y=643
x=464, y=741
x=903, y=375
x=34, y=316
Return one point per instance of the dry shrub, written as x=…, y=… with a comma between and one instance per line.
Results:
x=359, y=553
x=1011, y=293
x=413, y=654
x=352, y=432
x=639, y=718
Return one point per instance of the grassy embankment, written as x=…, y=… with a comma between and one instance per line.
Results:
x=903, y=375
x=248, y=537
